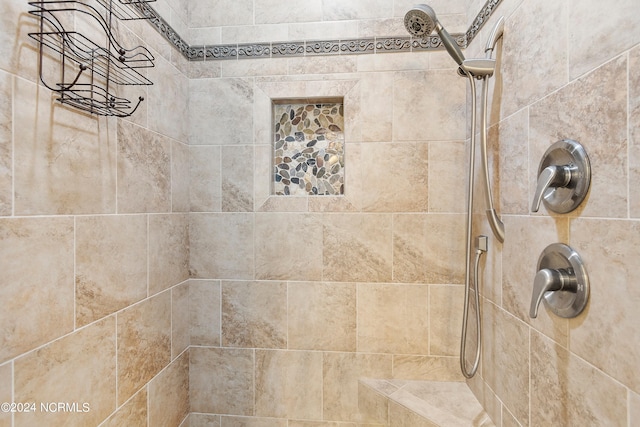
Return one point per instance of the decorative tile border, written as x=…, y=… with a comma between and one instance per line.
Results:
x=311, y=48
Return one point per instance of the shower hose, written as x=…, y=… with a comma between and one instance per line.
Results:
x=479, y=251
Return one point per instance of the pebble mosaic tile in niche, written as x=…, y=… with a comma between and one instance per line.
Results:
x=309, y=149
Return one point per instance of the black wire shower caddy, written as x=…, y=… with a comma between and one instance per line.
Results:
x=91, y=73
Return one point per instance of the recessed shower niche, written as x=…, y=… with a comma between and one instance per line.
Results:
x=308, y=155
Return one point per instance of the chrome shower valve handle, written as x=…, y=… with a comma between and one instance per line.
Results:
x=564, y=176
x=551, y=177
x=561, y=282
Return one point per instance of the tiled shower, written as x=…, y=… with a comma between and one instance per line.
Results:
x=151, y=269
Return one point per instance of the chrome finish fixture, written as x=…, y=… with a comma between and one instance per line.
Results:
x=420, y=21
x=561, y=282
x=564, y=176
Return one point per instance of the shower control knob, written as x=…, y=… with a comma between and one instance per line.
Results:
x=564, y=176
x=551, y=177
x=561, y=282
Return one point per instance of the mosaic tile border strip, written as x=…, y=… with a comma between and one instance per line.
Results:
x=311, y=48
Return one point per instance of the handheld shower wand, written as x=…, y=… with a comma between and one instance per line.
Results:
x=421, y=20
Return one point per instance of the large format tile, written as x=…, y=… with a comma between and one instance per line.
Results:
x=64, y=162
x=111, y=264
x=322, y=316
x=601, y=96
x=6, y=148
x=606, y=333
x=222, y=246
x=634, y=132
x=428, y=248
x=6, y=392
x=221, y=381
x=144, y=170
x=567, y=391
x=168, y=251
x=132, y=414
x=288, y=384
x=357, y=239
x=254, y=314
x=204, y=312
x=393, y=318
x=78, y=369
x=388, y=177
x=169, y=394
x=288, y=246
x=341, y=373
x=36, y=288
x=144, y=343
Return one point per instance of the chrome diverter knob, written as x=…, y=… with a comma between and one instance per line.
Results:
x=561, y=282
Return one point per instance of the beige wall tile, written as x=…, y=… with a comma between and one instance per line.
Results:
x=634, y=132
x=274, y=12
x=168, y=251
x=288, y=246
x=588, y=50
x=506, y=359
x=357, y=239
x=435, y=114
x=376, y=187
x=602, y=335
x=511, y=193
x=6, y=392
x=426, y=368
x=445, y=320
x=205, y=184
x=254, y=314
x=144, y=170
x=288, y=384
x=401, y=416
x=180, y=319
x=528, y=74
x=219, y=13
x=428, y=248
x=79, y=368
x=36, y=258
x=168, y=102
x=568, y=391
x=54, y=146
x=374, y=118
x=204, y=420
x=205, y=312
x=254, y=422
x=111, y=264
x=601, y=95
x=237, y=179
x=169, y=394
x=144, y=343
x=221, y=246
x=447, y=186
x=322, y=316
x=180, y=177
x=527, y=239
x=6, y=148
x=341, y=372
x=221, y=381
x=634, y=408
x=393, y=318
x=221, y=111
x=132, y=414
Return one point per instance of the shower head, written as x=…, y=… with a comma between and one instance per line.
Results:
x=421, y=20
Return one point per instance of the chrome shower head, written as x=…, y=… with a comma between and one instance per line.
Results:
x=420, y=21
